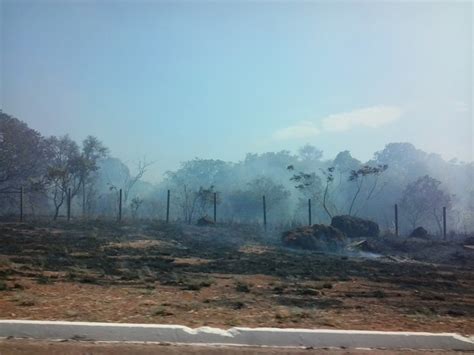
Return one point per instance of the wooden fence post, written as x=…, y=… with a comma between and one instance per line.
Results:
x=444, y=223
x=309, y=212
x=120, y=206
x=264, y=213
x=168, y=208
x=396, y=220
x=83, y=200
x=68, y=205
x=215, y=207
x=21, y=204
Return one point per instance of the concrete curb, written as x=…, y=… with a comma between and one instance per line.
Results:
x=272, y=337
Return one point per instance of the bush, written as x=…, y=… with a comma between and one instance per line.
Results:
x=355, y=227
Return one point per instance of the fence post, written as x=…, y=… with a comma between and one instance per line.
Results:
x=444, y=223
x=83, y=200
x=309, y=211
x=168, y=208
x=21, y=204
x=68, y=205
x=120, y=206
x=215, y=207
x=264, y=213
x=396, y=220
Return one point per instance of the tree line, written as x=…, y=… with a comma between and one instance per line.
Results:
x=421, y=183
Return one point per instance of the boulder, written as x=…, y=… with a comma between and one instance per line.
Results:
x=205, y=221
x=419, y=232
x=355, y=227
x=316, y=237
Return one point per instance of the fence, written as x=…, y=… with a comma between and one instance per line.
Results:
x=19, y=192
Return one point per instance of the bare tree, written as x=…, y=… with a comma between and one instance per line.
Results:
x=129, y=181
x=64, y=170
x=360, y=176
x=135, y=205
x=311, y=185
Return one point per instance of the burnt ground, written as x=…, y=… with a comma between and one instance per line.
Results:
x=228, y=275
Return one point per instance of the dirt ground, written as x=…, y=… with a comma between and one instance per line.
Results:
x=221, y=276
x=23, y=347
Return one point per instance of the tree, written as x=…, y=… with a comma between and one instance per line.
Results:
x=195, y=183
x=23, y=155
x=311, y=185
x=192, y=201
x=64, y=171
x=309, y=153
x=130, y=181
x=246, y=203
x=423, y=198
x=135, y=205
x=205, y=199
x=92, y=151
x=123, y=179
x=361, y=175
x=200, y=172
x=72, y=168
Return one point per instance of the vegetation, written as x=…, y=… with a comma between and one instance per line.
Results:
x=421, y=183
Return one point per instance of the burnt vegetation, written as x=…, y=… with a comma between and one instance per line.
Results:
x=426, y=278
x=324, y=241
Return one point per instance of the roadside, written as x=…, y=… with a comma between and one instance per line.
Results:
x=22, y=347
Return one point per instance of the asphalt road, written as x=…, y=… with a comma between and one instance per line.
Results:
x=112, y=338
x=39, y=347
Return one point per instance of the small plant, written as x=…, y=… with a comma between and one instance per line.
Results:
x=293, y=314
x=18, y=286
x=3, y=285
x=308, y=292
x=25, y=300
x=87, y=279
x=43, y=280
x=238, y=305
x=379, y=294
x=279, y=289
x=242, y=287
x=162, y=311
x=5, y=262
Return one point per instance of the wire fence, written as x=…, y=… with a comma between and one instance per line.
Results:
x=19, y=196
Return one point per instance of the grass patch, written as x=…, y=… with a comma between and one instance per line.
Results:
x=292, y=314
x=196, y=284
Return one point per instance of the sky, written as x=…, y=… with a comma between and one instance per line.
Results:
x=171, y=81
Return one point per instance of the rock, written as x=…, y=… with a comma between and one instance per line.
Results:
x=205, y=221
x=355, y=227
x=419, y=232
x=316, y=237
x=363, y=245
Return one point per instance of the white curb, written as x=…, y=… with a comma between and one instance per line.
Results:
x=273, y=337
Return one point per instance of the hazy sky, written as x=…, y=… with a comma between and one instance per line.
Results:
x=176, y=80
